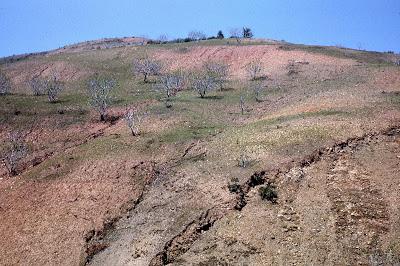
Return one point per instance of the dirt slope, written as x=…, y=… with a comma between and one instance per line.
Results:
x=90, y=193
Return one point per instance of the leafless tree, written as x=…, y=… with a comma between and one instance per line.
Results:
x=132, y=119
x=237, y=34
x=163, y=38
x=16, y=150
x=53, y=87
x=196, y=35
x=146, y=67
x=241, y=104
x=5, y=84
x=218, y=71
x=254, y=69
x=170, y=84
x=258, y=88
x=203, y=83
x=99, y=89
x=37, y=85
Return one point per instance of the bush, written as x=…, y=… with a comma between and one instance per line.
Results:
x=268, y=192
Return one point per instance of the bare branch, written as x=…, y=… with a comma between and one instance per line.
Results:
x=5, y=84
x=15, y=152
x=254, y=69
x=99, y=89
x=146, y=67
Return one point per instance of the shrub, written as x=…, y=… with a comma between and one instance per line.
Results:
x=5, y=84
x=220, y=35
x=234, y=186
x=256, y=179
x=268, y=192
x=99, y=89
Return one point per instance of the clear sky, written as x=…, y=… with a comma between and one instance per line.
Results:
x=39, y=25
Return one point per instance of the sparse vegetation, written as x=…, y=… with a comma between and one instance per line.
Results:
x=99, y=89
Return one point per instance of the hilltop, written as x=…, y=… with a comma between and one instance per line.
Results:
x=325, y=137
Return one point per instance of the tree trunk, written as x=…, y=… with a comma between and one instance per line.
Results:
x=145, y=78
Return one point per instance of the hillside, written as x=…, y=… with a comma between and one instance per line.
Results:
x=325, y=136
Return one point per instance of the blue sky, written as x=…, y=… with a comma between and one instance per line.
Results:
x=39, y=25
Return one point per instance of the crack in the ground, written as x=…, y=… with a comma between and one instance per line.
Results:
x=181, y=243
x=95, y=239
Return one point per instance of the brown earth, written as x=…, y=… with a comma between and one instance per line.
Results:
x=90, y=193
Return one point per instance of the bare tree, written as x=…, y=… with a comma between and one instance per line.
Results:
x=258, y=88
x=53, y=87
x=170, y=84
x=196, y=35
x=146, y=67
x=203, y=83
x=236, y=33
x=241, y=104
x=99, y=92
x=218, y=71
x=5, y=84
x=37, y=85
x=163, y=38
x=254, y=69
x=16, y=150
x=132, y=120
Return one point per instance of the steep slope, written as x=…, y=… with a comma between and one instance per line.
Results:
x=89, y=192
